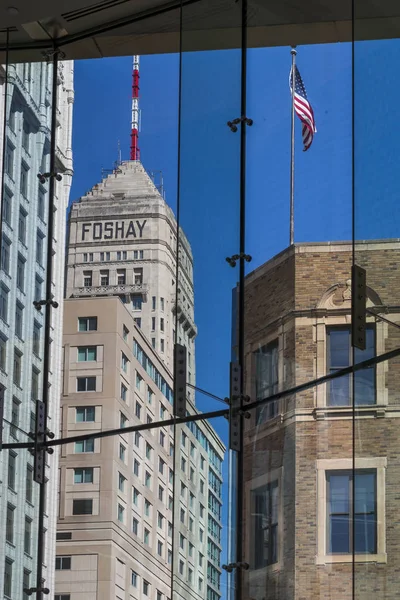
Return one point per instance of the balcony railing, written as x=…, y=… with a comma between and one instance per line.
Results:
x=111, y=290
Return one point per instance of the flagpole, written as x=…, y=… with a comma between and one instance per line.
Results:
x=293, y=52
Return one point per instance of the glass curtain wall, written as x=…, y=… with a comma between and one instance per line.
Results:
x=376, y=226
x=162, y=508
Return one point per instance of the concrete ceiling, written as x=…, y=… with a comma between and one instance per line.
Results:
x=97, y=28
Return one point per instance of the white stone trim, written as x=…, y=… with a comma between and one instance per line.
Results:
x=346, y=464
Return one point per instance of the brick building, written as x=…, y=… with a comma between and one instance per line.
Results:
x=300, y=479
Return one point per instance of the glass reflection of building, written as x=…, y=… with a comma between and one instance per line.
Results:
x=27, y=104
x=300, y=480
x=116, y=532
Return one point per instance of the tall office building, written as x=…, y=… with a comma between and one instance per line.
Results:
x=297, y=521
x=123, y=509
x=26, y=99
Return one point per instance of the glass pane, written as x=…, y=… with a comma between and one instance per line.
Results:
x=201, y=483
x=27, y=106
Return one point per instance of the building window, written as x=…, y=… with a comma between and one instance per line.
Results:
x=201, y=535
x=161, y=465
x=85, y=414
x=150, y=395
x=9, y=160
x=26, y=583
x=122, y=452
x=83, y=475
x=28, y=535
x=134, y=578
x=160, y=520
x=35, y=386
x=121, y=276
x=135, y=496
x=146, y=536
x=181, y=567
x=161, y=324
x=36, y=338
x=125, y=333
x=82, y=507
x=147, y=479
x=170, y=502
x=22, y=225
x=87, y=353
x=39, y=247
x=124, y=362
x=148, y=451
x=86, y=384
x=8, y=570
x=265, y=525
x=4, y=303
x=3, y=353
x=159, y=548
x=84, y=446
x=29, y=484
x=38, y=288
x=62, y=596
x=21, y=272
x=17, y=367
x=123, y=420
x=137, y=439
x=339, y=356
x=63, y=563
x=135, y=526
x=26, y=130
x=41, y=203
x=14, y=417
x=87, y=278
x=171, y=476
x=105, y=277
x=267, y=380
x=121, y=482
x=124, y=392
x=159, y=595
x=136, y=467
x=160, y=493
x=87, y=324
x=162, y=345
x=182, y=515
x=183, y=464
x=162, y=439
x=162, y=412
x=118, y=255
x=138, y=276
x=137, y=302
x=138, y=409
x=153, y=303
x=19, y=309
x=138, y=322
x=23, y=182
x=162, y=304
x=10, y=524
x=121, y=513
x=146, y=587
x=153, y=342
x=339, y=494
x=5, y=254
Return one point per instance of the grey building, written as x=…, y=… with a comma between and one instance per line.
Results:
x=22, y=281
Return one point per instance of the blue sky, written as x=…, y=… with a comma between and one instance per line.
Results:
x=209, y=185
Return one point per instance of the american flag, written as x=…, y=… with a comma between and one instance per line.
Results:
x=303, y=108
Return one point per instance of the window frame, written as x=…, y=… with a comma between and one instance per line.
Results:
x=379, y=464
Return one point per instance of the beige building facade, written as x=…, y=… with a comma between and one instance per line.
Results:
x=139, y=513
x=300, y=482
x=123, y=241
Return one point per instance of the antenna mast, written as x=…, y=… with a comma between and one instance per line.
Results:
x=135, y=152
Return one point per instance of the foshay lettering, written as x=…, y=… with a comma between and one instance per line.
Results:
x=113, y=230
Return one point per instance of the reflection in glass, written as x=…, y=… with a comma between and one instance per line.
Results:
x=339, y=356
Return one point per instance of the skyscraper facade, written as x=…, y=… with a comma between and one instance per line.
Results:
x=139, y=512
x=24, y=236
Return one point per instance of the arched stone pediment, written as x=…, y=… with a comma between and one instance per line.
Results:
x=339, y=296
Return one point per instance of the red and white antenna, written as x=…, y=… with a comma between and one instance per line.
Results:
x=135, y=152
